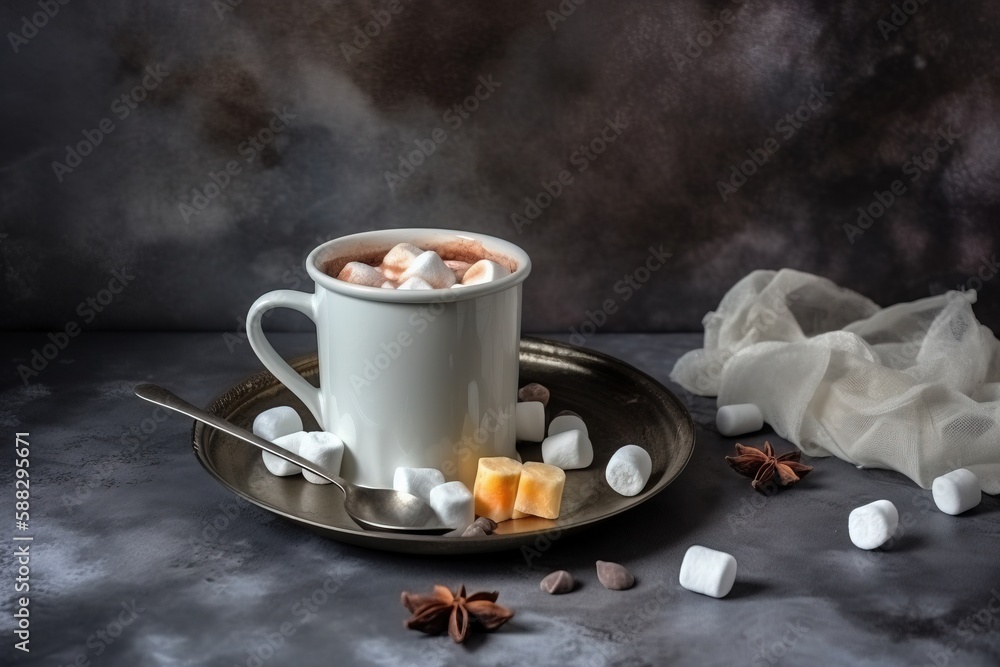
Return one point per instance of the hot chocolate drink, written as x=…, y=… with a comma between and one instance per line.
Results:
x=408, y=267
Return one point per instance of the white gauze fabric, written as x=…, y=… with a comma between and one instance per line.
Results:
x=914, y=387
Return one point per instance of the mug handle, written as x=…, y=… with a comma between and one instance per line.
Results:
x=305, y=304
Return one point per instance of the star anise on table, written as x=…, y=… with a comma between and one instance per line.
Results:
x=456, y=612
x=764, y=466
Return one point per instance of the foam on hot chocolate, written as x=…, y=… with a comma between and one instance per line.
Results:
x=406, y=266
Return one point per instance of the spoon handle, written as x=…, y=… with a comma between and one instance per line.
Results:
x=157, y=394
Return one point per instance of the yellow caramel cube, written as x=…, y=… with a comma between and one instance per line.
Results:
x=496, y=487
x=519, y=515
x=540, y=490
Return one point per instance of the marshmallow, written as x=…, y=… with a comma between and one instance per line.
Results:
x=360, y=273
x=568, y=450
x=739, y=419
x=320, y=448
x=458, y=267
x=956, y=492
x=271, y=425
x=430, y=267
x=484, y=271
x=417, y=481
x=530, y=421
x=453, y=503
x=415, y=283
x=276, y=422
x=399, y=259
x=567, y=422
x=629, y=470
x=870, y=526
x=279, y=466
x=388, y=285
x=708, y=571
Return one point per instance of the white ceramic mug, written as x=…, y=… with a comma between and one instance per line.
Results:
x=420, y=378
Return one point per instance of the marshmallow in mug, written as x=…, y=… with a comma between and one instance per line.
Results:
x=409, y=267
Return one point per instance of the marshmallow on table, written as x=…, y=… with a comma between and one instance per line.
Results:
x=567, y=422
x=320, y=448
x=484, y=271
x=271, y=425
x=453, y=503
x=431, y=268
x=360, y=273
x=629, y=470
x=415, y=282
x=870, y=526
x=957, y=492
x=529, y=417
x=708, y=571
x=399, y=259
x=568, y=450
x=739, y=419
x=417, y=481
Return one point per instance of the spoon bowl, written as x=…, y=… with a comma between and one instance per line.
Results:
x=372, y=509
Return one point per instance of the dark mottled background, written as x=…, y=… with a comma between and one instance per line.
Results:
x=689, y=119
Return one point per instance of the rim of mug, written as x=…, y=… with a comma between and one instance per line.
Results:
x=417, y=235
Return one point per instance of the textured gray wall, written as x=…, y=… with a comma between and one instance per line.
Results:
x=689, y=113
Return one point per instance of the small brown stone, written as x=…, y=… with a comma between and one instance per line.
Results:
x=557, y=583
x=475, y=530
x=533, y=392
x=614, y=576
x=487, y=524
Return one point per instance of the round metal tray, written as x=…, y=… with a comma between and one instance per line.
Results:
x=620, y=405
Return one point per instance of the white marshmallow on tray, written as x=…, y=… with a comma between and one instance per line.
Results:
x=324, y=449
x=569, y=450
x=708, y=571
x=529, y=417
x=389, y=285
x=271, y=425
x=484, y=271
x=415, y=282
x=417, y=481
x=453, y=503
x=957, y=491
x=360, y=273
x=629, y=470
x=870, y=526
x=398, y=259
x=738, y=419
x=567, y=423
x=431, y=268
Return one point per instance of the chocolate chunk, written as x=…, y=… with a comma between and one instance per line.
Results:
x=557, y=583
x=474, y=530
x=614, y=576
x=533, y=392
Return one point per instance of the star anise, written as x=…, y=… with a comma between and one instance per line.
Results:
x=764, y=465
x=455, y=612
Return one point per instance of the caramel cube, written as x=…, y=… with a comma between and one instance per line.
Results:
x=540, y=490
x=496, y=487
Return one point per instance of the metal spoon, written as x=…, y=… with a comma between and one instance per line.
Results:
x=373, y=509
